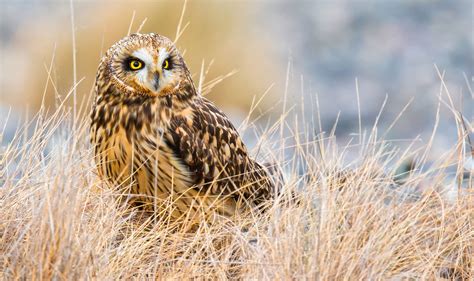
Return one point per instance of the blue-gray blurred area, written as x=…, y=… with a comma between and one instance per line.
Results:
x=390, y=47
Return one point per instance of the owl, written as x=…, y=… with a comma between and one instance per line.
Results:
x=162, y=144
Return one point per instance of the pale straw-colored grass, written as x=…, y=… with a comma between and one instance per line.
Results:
x=58, y=220
x=351, y=220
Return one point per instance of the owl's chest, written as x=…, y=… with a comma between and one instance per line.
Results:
x=131, y=150
x=133, y=154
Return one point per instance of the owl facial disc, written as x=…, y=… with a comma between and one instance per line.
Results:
x=147, y=65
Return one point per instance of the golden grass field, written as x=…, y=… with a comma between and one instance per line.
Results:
x=352, y=220
x=59, y=221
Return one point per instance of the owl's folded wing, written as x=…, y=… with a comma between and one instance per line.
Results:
x=216, y=156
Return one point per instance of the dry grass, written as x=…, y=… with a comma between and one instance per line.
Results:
x=58, y=220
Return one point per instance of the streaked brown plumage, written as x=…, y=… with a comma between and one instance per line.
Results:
x=163, y=143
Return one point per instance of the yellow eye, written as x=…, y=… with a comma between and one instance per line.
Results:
x=166, y=64
x=135, y=65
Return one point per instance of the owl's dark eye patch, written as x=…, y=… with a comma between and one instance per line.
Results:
x=133, y=64
x=167, y=64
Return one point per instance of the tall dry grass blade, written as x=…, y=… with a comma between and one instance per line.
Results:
x=358, y=110
x=74, y=63
x=179, y=30
x=131, y=23
x=140, y=27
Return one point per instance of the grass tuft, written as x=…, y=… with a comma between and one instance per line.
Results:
x=60, y=221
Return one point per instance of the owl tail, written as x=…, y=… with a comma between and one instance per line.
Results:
x=268, y=179
x=275, y=175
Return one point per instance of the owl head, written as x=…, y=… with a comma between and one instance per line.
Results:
x=144, y=64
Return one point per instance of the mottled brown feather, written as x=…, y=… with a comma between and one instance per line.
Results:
x=172, y=146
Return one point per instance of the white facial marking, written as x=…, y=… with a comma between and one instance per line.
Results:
x=143, y=75
x=166, y=74
x=162, y=55
x=147, y=59
x=144, y=56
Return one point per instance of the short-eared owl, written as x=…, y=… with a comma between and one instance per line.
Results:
x=163, y=144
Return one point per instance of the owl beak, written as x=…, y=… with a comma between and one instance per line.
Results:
x=156, y=81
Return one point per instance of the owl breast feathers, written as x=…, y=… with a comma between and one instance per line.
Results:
x=163, y=145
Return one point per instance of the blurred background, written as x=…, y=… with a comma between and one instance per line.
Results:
x=317, y=49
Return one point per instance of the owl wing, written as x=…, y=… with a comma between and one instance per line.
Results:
x=212, y=149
